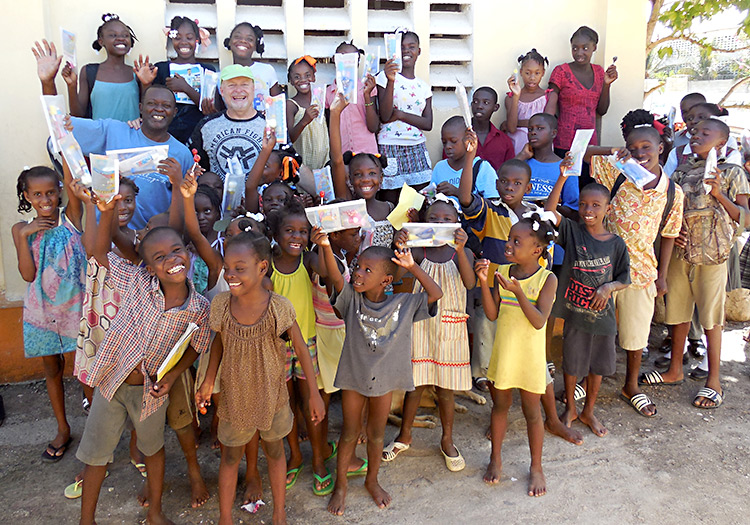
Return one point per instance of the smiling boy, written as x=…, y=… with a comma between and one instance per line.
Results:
x=158, y=303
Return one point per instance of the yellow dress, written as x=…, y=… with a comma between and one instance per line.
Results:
x=518, y=355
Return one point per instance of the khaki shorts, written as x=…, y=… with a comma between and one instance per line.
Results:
x=106, y=422
x=635, y=308
x=280, y=427
x=180, y=410
x=702, y=285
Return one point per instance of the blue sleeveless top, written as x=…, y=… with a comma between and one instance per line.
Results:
x=115, y=100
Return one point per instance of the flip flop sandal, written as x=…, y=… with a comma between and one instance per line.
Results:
x=141, y=467
x=639, y=402
x=579, y=393
x=454, y=464
x=361, y=471
x=551, y=369
x=319, y=480
x=57, y=452
x=698, y=374
x=295, y=472
x=334, y=450
x=394, y=449
x=482, y=384
x=75, y=489
x=85, y=406
x=696, y=348
x=711, y=395
x=654, y=378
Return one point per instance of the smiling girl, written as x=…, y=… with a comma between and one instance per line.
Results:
x=309, y=134
x=523, y=102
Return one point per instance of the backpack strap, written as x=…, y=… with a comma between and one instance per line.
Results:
x=619, y=181
x=668, y=206
x=91, y=72
x=475, y=173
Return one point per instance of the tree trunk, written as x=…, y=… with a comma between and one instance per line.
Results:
x=656, y=6
x=731, y=90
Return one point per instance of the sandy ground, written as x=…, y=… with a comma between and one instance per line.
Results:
x=684, y=466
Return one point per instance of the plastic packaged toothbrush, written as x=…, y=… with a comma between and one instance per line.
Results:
x=73, y=155
x=318, y=98
x=430, y=234
x=209, y=81
x=276, y=117
x=346, y=75
x=68, y=47
x=632, y=170
x=515, y=76
x=463, y=103
x=135, y=161
x=671, y=117
x=372, y=63
x=324, y=183
x=193, y=75
x=54, y=114
x=712, y=163
x=105, y=176
x=339, y=216
x=234, y=185
x=393, y=48
x=578, y=149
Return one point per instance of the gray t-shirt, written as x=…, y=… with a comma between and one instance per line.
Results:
x=588, y=264
x=376, y=358
x=218, y=138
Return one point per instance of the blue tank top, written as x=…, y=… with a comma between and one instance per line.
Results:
x=115, y=100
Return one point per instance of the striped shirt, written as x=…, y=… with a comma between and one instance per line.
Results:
x=142, y=333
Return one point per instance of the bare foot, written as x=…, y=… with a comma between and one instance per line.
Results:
x=362, y=438
x=492, y=474
x=381, y=498
x=158, y=519
x=488, y=433
x=594, y=424
x=556, y=428
x=199, y=493
x=279, y=516
x=569, y=416
x=253, y=488
x=537, y=483
x=302, y=434
x=143, y=495
x=337, y=503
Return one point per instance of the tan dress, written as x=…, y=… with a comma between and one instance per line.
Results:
x=312, y=143
x=253, y=382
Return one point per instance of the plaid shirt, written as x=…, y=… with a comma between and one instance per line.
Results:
x=142, y=332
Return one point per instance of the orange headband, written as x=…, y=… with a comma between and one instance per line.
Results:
x=307, y=58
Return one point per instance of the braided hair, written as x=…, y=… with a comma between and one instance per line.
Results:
x=23, y=184
x=260, y=46
x=535, y=56
x=542, y=230
x=179, y=20
x=108, y=18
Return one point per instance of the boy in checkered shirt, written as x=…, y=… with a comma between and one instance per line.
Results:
x=158, y=303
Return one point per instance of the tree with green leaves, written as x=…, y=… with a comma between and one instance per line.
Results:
x=678, y=17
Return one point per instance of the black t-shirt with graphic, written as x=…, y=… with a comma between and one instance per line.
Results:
x=588, y=264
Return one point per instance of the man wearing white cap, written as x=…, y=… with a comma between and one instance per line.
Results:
x=236, y=130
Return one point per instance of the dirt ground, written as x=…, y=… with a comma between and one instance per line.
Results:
x=684, y=466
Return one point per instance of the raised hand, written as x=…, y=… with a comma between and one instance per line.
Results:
x=312, y=112
x=144, y=70
x=715, y=183
x=471, y=141
x=172, y=169
x=319, y=237
x=339, y=103
x=514, y=86
x=103, y=205
x=482, y=268
x=47, y=61
x=460, y=237
x=368, y=85
x=610, y=75
x=189, y=185
x=400, y=238
x=391, y=69
x=81, y=192
x=404, y=259
x=69, y=74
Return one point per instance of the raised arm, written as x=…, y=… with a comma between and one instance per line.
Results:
x=405, y=260
x=172, y=169
x=465, y=259
x=385, y=94
x=466, y=185
x=338, y=168
x=610, y=75
x=371, y=112
x=254, y=178
x=211, y=257
x=334, y=278
x=554, y=197
x=103, y=244
x=47, y=65
x=511, y=105
x=295, y=130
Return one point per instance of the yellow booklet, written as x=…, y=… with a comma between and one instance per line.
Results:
x=178, y=350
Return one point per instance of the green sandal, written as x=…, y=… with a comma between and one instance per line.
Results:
x=361, y=471
x=334, y=450
x=295, y=471
x=319, y=480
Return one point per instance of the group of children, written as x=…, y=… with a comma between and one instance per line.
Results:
x=286, y=314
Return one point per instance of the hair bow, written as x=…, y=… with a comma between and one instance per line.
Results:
x=257, y=217
x=544, y=215
x=307, y=58
x=203, y=34
x=444, y=198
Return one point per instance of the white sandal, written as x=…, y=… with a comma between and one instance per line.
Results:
x=454, y=464
x=394, y=449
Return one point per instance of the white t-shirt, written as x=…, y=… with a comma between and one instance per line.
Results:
x=410, y=96
x=265, y=79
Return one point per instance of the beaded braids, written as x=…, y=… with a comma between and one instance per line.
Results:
x=179, y=20
x=535, y=56
x=542, y=230
x=106, y=19
x=23, y=184
x=260, y=46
